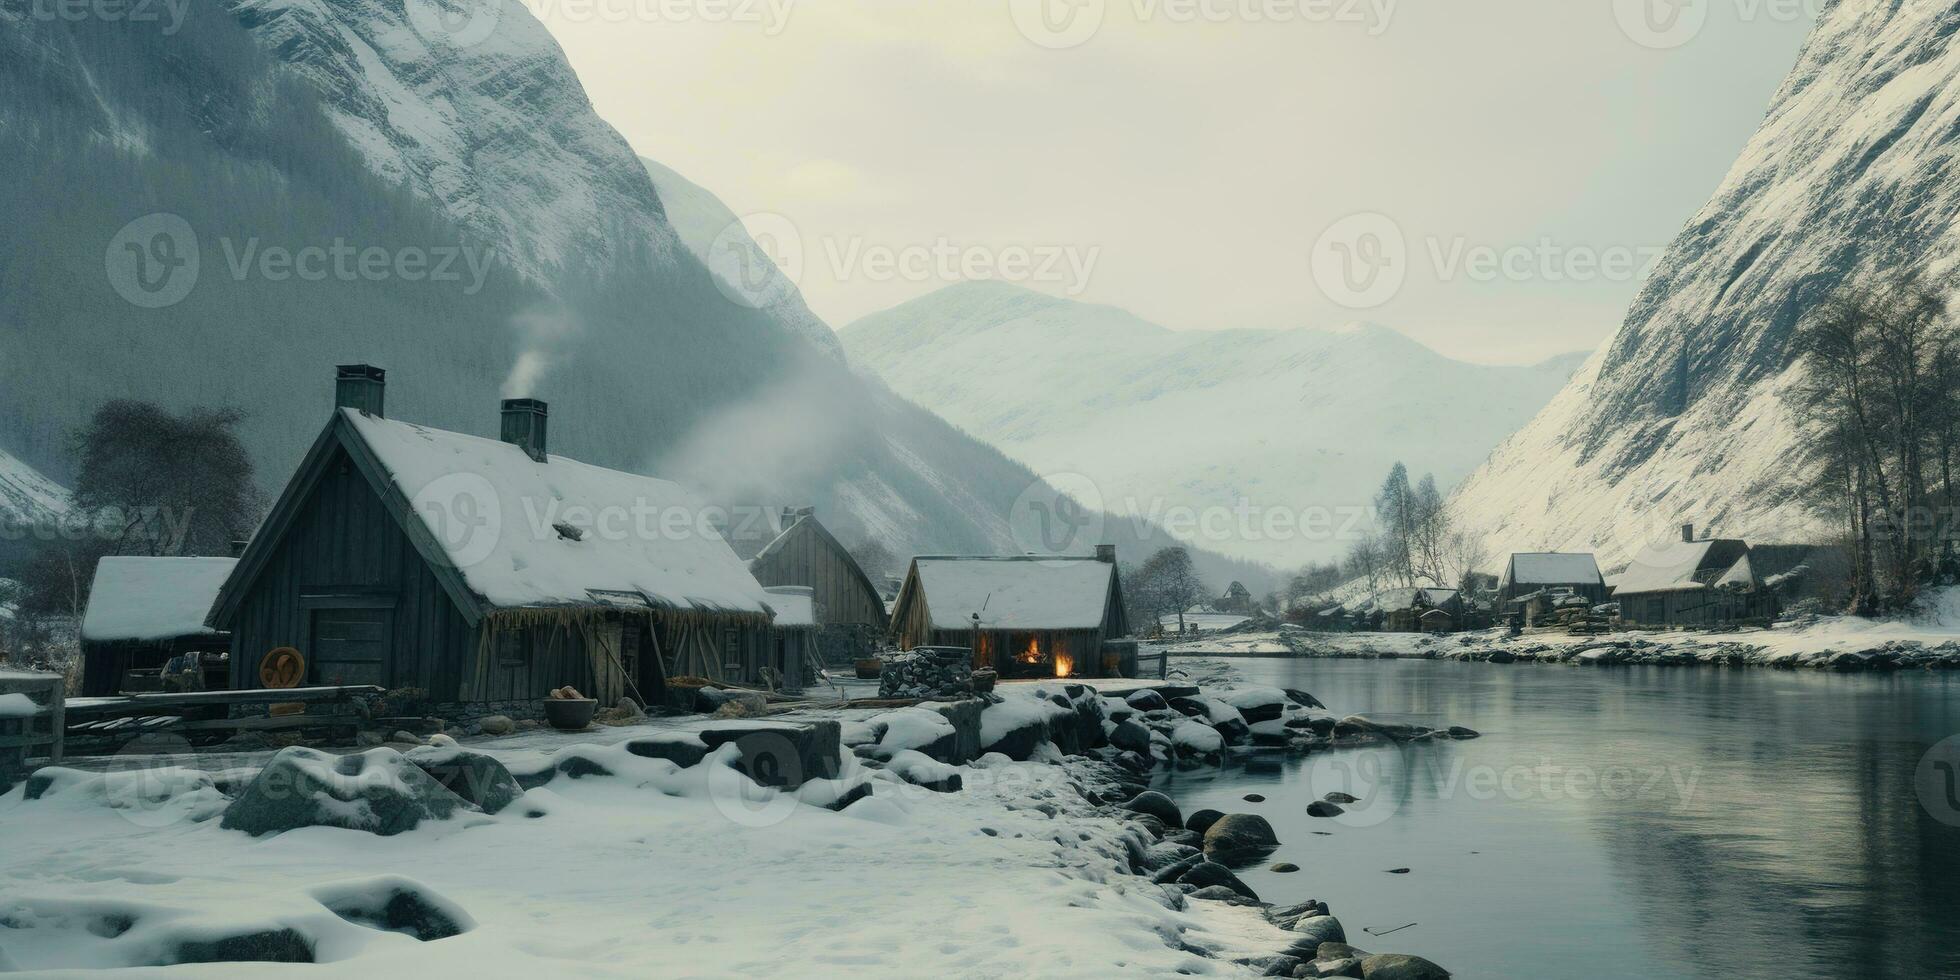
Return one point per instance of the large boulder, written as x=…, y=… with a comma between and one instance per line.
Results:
x=477, y=778
x=1131, y=737
x=1202, y=820
x=781, y=754
x=684, y=749
x=1206, y=874
x=1157, y=805
x=1238, y=837
x=1147, y=701
x=1397, y=966
x=378, y=791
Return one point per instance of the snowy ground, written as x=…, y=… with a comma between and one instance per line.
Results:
x=1823, y=641
x=655, y=870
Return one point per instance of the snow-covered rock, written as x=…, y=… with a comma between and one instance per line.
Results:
x=378, y=791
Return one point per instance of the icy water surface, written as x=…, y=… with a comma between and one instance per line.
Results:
x=1622, y=822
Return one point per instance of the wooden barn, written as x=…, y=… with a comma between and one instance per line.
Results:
x=851, y=622
x=1419, y=610
x=485, y=572
x=145, y=612
x=1692, y=582
x=1024, y=617
x=1530, y=572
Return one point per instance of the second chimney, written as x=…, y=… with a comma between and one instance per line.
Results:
x=1688, y=534
x=361, y=387
x=524, y=426
x=1106, y=553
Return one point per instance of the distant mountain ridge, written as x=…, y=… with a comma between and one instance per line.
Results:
x=1274, y=419
x=1681, y=417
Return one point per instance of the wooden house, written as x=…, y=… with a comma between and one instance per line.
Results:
x=851, y=622
x=486, y=571
x=1022, y=616
x=1692, y=582
x=145, y=612
x=1403, y=610
x=1531, y=572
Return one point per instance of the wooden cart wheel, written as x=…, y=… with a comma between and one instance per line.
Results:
x=282, y=668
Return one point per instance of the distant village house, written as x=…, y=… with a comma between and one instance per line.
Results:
x=850, y=617
x=1692, y=582
x=144, y=614
x=1021, y=616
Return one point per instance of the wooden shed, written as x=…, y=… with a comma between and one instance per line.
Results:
x=1022, y=616
x=850, y=615
x=1402, y=610
x=1530, y=572
x=1692, y=582
x=483, y=571
x=145, y=612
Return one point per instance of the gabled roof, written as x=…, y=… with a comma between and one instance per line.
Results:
x=502, y=531
x=807, y=524
x=152, y=599
x=1673, y=566
x=795, y=605
x=1742, y=574
x=1405, y=598
x=1551, y=568
x=1015, y=593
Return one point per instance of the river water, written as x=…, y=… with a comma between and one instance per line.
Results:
x=1623, y=822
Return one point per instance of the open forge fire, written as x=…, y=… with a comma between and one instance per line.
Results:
x=1064, y=665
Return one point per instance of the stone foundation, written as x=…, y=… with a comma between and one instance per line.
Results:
x=929, y=673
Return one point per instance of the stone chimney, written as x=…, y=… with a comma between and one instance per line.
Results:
x=1688, y=534
x=1106, y=553
x=524, y=426
x=361, y=387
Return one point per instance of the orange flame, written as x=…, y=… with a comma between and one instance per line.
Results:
x=1064, y=665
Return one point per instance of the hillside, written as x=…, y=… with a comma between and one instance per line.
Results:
x=288, y=125
x=1272, y=419
x=1680, y=417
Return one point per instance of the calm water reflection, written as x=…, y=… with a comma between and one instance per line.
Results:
x=1622, y=822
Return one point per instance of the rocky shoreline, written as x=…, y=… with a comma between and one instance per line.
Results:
x=1731, y=649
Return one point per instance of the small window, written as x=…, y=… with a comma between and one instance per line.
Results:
x=513, y=647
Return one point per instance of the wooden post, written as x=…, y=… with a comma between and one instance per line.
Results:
x=58, y=720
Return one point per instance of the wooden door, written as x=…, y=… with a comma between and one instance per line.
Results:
x=351, y=646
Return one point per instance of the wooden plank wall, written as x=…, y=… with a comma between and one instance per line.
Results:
x=811, y=557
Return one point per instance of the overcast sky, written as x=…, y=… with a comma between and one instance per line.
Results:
x=1194, y=162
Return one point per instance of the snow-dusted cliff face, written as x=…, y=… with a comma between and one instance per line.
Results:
x=1679, y=418
x=26, y=497
x=484, y=116
x=1288, y=420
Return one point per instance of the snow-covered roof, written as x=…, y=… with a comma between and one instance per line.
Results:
x=152, y=599
x=1405, y=598
x=1552, y=568
x=637, y=534
x=1016, y=593
x=1739, y=574
x=1673, y=566
x=795, y=605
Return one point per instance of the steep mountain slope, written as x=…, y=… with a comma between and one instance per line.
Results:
x=306, y=124
x=1680, y=417
x=1292, y=420
x=715, y=235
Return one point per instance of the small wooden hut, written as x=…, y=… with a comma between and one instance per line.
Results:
x=1022, y=616
x=1532, y=572
x=1692, y=582
x=850, y=614
x=485, y=571
x=142, y=614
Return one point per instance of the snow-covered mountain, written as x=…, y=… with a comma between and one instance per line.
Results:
x=1680, y=417
x=1279, y=420
x=297, y=124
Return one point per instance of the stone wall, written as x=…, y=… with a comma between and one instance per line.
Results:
x=929, y=673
